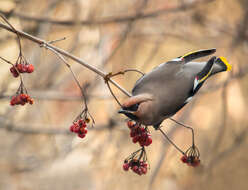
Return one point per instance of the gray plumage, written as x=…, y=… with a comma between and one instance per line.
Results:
x=163, y=91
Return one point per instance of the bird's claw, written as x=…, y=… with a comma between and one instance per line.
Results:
x=110, y=75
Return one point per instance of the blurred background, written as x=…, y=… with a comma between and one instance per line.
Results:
x=37, y=151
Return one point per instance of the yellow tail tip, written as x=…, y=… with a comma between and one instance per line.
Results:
x=228, y=65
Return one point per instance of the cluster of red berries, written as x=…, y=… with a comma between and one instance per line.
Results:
x=191, y=160
x=137, y=166
x=21, y=68
x=139, y=134
x=191, y=156
x=79, y=127
x=21, y=99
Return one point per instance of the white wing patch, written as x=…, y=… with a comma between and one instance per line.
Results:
x=196, y=82
x=188, y=99
x=177, y=59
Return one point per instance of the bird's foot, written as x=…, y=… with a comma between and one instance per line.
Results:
x=110, y=75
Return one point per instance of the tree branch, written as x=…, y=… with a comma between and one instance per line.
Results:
x=45, y=44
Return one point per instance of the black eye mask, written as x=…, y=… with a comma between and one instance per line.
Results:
x=131, y=108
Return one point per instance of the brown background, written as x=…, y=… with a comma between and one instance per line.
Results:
x=36, y=149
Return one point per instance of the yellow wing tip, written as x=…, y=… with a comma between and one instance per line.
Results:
x=228, y=65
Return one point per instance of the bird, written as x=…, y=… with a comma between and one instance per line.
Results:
x=162, y=92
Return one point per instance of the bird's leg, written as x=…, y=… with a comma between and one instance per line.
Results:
x=157, y=126
x=188, y=127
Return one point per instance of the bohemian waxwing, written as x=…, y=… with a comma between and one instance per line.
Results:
x=163, y=91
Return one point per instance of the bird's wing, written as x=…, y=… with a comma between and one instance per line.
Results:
x=194, y=55
x=203, y=75
x=156, y=77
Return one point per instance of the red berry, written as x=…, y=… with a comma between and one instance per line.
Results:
x=83, y=130
x=24, y=68
x=130, y=124
x=148, y=141
x=139, y=171
x=81, y=135
x=135, y=168
x=31, y=101
x=20, y=68
x=76, y=128
x=184, y=159
x=13, y=101
x=144, y=170
x=30, y=68
x=126, y=166
x=196, y=162
x=14, y=72
x=144, y=164
x=132, y=133
x=22, y=103
x=72, y=128
x=24, y=97
x=135, y=139
x=142, y=130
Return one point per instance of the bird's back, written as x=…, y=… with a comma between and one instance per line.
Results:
x=170, y=83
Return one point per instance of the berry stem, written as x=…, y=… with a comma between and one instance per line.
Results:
x=171, y=141
x=15, y=31
x=188, y=127
x=74, y=77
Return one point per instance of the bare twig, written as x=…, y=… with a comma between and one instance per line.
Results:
x=74, y=77
x=13, y=28
x=43, y=43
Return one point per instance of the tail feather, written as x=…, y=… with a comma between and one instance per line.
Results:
x=197, y=54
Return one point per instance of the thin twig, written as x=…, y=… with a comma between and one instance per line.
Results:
x=5, y=60
x=134, y=70
x=18, y=37
x=63, y=52
x=20, y=74
x=112, y=93
x=74, y=77
x=58, y=40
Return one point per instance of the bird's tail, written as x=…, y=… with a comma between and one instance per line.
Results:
x=223, y=63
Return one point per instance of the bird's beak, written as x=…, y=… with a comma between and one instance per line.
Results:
x=124, y=111
x=128, y=113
